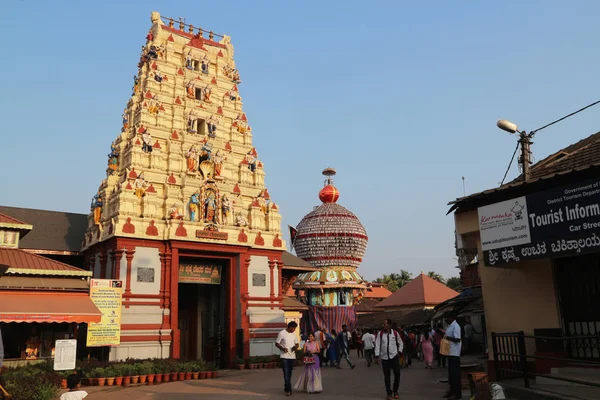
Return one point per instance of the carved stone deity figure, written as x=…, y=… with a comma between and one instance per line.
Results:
x=207, y=91
x=240, y=220
x=205, y=152
x=125, y=117
x=174, y=212
x=191, y=122
x=262, y=202
x=226, y=207
x=96, y=208
x=139, y=185
x=210, y=207
x=193, y=206
x=136, y=84
x=153, y=105
x=113, y=157
x=242, y=126
x=191, y=89
x=147, y=142
x=158, y=76
x=218, y=160
x=204, y=63
x=192, y=159
x=189, y=61
x=211, y=124
x=252, y=161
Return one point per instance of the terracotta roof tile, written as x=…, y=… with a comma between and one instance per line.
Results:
x=377, y=292
x=22, y=262
x=6, y=219
x=421, y=290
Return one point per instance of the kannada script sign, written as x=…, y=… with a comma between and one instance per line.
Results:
x=107, y=296
x=556, y=222
x=212, y=235
x=194, y=273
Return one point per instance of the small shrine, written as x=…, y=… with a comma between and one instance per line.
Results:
x=332, y=239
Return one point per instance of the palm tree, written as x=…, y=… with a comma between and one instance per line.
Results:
x=395, y=281
x=435, y=276
x=454, y=283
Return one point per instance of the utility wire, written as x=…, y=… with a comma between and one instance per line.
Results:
x=565, y=117
x=543, y=127
x=510, y=163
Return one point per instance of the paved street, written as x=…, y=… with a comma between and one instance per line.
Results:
x=417, y=383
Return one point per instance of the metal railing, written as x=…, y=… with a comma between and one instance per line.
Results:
x=512, y=361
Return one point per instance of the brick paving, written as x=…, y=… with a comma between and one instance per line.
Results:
x=417, y=383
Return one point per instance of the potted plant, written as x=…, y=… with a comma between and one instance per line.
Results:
x=166, y=369
x=134, y=371
x=126, y=371
x=203, y=371
x=145, y=369
x=181, y=371
x=174, y=368
x=98, y=375
x=158, y=372
x=111, y=375
x=118, y=374
x=188, y=368
x=240, y=363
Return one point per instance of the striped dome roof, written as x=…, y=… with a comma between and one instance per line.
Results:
x=331, y=236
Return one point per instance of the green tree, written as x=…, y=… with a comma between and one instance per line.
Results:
x=395, y=281
x=435, y=276
x=454, y=283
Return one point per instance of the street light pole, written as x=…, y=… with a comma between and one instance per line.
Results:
x=525, y=159
x=525, y=143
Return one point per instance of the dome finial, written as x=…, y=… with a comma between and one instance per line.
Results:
x=329, y=194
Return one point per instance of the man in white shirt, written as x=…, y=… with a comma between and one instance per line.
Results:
x=453, y=334
x=287, y=343
x=369, y=342
x=388, y=347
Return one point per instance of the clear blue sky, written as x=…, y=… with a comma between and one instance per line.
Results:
x=400, y=97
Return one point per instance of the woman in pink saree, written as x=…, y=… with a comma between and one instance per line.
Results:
x=310, y=380
x=427, y=348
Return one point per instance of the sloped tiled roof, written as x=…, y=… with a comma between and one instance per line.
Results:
x=24, y=263
x=377, y=292
x=421, y=290
x=52, y=230
x=290, y=260
x=367, y=305
x=583, y=153
x=290, y=304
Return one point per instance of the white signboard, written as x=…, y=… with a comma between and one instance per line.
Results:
x=504, y=224
x=65, y=355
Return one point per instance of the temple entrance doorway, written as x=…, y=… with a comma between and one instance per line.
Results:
x=202, y=314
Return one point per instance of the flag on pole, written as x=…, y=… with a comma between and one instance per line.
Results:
x=293, y=233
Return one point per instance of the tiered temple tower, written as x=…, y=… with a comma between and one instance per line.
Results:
x=185, y=190
x=332, y=239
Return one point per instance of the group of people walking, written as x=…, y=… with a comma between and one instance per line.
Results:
x=390, y=347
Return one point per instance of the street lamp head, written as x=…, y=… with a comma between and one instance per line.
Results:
x=507, y=126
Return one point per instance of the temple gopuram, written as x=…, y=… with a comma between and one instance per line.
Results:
x=332, y=239
x=184, y=218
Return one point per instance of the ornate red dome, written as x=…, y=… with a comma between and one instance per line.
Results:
x=330, y=235
x=329, y=194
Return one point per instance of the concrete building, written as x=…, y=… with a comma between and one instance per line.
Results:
x=536, y=244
